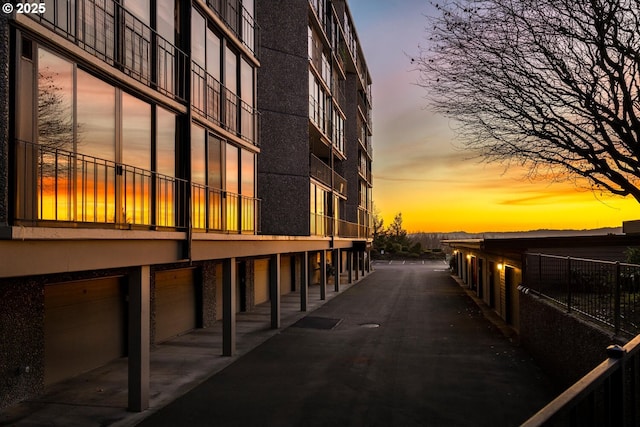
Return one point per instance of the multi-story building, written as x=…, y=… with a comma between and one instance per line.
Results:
x=314, y=91
x=129, y=185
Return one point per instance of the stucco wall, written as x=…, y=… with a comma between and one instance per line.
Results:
x=565, y=346
x=21, y=340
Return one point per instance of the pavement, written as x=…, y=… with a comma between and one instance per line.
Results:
x=405, y=346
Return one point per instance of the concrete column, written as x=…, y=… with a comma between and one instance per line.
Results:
x=364, y=265
x=274, y=290
x=229, y=307
x=323, y=275
x=304, y=281
x=356, y=259
x=336, y=269
x=139, y=338
x=349, y=267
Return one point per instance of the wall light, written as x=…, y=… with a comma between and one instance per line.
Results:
x=469, y=257
x=500, y=266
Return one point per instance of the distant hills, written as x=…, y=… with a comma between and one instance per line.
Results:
x=432, y=240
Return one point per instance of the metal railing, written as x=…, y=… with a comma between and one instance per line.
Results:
x=55, y=184
x=239, y=20
x=216, y=210
x=108, y=31
x=324, y=225
x=607, y=396
x=604, y=291
x=58, y=185
x=323, y=173
x=223, y=107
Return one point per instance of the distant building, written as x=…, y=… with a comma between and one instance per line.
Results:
x=160, y=164
x=495, y=268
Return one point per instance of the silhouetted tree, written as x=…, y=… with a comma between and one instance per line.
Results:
x=55, y=124
x=550, y=84
x=379, y=233
x=397, y=239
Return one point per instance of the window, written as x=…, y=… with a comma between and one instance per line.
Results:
x=91, y=157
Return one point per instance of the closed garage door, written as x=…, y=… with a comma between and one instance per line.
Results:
x=175, y=301
x=261, y=271
x=84, y=326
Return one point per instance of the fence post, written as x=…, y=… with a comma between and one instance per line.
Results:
x=616, y=305
x=568, y=284
x=539, y=272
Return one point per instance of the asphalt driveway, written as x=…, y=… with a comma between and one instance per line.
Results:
x=404, y=347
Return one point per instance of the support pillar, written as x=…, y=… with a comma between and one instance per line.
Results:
x=229, y=307
x=336, y=270
x=304, y=281
x=350, y=267
x=323, y=275
x=274, y=290
x=364, y=264
x=356, y=256
x=139, y=338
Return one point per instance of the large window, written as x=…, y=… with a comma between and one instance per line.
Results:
x=320, y=221
x=91, y=157
x=227, y=201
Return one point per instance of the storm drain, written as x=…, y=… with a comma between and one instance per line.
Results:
x=313, y=322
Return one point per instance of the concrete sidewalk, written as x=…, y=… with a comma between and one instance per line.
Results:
x=407, y=347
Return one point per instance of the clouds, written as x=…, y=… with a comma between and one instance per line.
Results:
x=419, y=171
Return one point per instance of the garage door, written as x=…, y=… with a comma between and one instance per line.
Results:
x=175, y=303
x=84, y=326
x=261, y=289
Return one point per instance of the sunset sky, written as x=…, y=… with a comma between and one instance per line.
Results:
x=418, y=170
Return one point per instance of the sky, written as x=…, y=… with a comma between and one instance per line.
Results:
x=420, y=170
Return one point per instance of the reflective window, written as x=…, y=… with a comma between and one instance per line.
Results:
x=165, y=10
x=136, y=157
x=96, y=117
x=139, y=9
x=213, y=54
x=231, y=70
x=248, y=173
x=197, y=37
x=198, y=177
x=96, y=139
x=55, y=132
x=232, y=186
x=165, y=165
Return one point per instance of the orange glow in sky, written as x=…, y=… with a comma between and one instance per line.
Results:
x=420, y=171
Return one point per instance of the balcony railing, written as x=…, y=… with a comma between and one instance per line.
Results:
x=239, y=20
x=108, y=31
x=223, y=107
x=603, y=291
x=57, y=185
x=323, y=173
x=324, y=225
x=216, y=210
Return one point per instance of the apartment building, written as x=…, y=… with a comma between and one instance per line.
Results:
x=140, y=196
x=314, y=90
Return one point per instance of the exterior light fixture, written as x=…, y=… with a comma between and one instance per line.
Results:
x=500, y=266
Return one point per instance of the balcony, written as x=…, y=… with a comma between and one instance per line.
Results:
x=239, y=20
x=218, y=104
x=324, y=225
x=55, y=186
x=109, y=32
x=323, y=173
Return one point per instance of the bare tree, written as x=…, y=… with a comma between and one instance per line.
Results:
x=550, y=84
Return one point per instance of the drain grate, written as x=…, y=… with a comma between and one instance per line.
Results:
x=314, y=322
